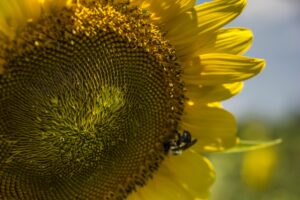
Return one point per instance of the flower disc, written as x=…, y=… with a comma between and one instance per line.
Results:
x=87, y=99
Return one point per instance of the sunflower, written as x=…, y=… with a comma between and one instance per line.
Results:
x=97, y=96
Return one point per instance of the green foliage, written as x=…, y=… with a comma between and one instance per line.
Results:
x=284, y=181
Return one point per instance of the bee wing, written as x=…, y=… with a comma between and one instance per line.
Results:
x=185, y=146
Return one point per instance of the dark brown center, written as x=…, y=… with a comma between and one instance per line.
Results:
x=86, y=104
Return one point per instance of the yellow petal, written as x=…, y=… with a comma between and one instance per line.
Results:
x=15, y=13
x=215, y=14
x=230, y=40
x=216, y=104
x=193, y=172
x=214, y=69
x=185, y=29
x=187, y=176
x=56, y=4
x=164, y=10
x=161, y=187
x=212, y=93
x=10, y=16
x=215, y=128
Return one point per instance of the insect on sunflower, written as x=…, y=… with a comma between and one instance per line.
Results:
x=96, y=95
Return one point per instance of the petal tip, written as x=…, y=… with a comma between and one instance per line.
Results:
x=261, y=64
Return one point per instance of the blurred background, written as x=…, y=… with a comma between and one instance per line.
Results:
x=267, y=108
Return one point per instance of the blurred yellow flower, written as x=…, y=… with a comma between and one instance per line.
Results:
x=95, y=95
x=258, y=167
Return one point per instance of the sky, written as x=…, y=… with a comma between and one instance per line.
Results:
x=276, y=91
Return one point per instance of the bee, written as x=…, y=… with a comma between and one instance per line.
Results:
x=180, y=143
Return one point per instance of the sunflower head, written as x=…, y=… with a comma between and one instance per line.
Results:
x=89, y=94
x=91, y=91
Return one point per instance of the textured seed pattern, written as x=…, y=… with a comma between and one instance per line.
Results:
x=87, y=98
